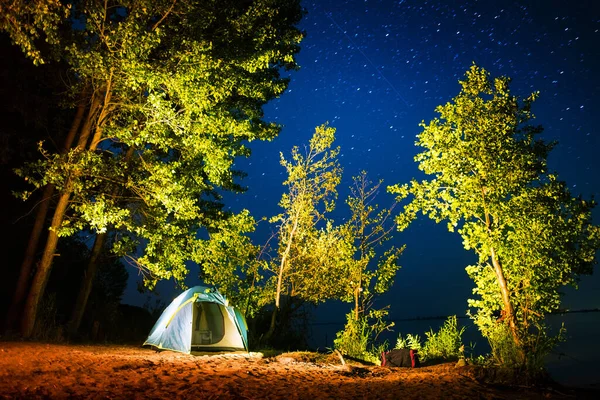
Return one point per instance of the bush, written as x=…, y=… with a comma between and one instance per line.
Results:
x=445, y=344
x=357, y=340
x=412, y=342
x=528, y=362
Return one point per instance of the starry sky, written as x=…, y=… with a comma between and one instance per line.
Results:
x=375, y=69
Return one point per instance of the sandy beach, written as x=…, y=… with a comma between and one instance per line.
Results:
x=38, y=370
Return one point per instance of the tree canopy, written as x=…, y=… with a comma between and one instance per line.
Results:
x=172, y=91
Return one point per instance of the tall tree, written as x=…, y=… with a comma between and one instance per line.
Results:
x=181, y=83
x=370, y=227
x=371, y=270
x=32, y=109
x=313, y=176
x=491, y=182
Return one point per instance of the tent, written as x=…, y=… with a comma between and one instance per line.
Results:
x=200, y=319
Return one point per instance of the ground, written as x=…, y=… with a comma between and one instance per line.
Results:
x=38, y=370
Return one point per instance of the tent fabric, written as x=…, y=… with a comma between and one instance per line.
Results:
x=199, y=319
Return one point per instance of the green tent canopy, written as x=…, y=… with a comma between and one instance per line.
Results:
x=200, y=319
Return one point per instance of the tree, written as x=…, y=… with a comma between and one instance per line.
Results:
x=32, y=109
x=180, y=84
x=313, y=176
x=370, y=227
x=490, y=181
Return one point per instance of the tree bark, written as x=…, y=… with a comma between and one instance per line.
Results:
x=40, y=279
x=280, y=278
x=356, y=303
x=509, y=312
x=38, y=225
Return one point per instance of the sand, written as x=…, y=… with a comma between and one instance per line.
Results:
x=38, y=370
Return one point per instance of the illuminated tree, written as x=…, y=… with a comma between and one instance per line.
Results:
x=301, y=266
x=229, y=261
x=490, y=181
x=172, y=92
x=369, y=228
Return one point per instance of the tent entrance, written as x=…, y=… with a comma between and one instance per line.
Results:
x=208, y=324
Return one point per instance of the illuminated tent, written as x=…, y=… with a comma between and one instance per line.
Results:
x=199, y=319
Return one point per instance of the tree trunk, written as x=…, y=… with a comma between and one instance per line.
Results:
x=283, y=260
x=40, y=219
x=356, y=303
x=38, y=285
x=509, y=312
x=280, y=278
x=86, y=284
x=271, y=330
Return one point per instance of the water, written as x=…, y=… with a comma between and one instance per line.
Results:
x=577, y=361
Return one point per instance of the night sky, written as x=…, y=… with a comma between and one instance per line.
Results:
x=376, y=69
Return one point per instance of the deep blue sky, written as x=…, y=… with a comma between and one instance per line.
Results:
x=375, y=69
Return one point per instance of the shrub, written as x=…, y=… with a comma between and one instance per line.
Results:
x=445, y=344
x=412, y=342
x=357, y=340
x=536, y=343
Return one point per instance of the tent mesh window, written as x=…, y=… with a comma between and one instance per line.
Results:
x=209, y=324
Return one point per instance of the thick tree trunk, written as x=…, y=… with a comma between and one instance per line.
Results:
x=40, y=279
x=26, y=266
x=38, y=285
x=271, y=330
x=36, y=232
x=86, y=284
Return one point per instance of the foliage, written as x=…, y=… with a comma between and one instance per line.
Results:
x=411, y=341
x=317, y=260
x=358, y=339
x=229, y=261
x=304, y=251
x=367, y=229
x=490, y=182
x=504, y=352
x=173, y=92
x=28, y=21
x=446, y=343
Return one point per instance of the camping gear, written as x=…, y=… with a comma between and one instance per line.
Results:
x=400, y=358
x=199, y=319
